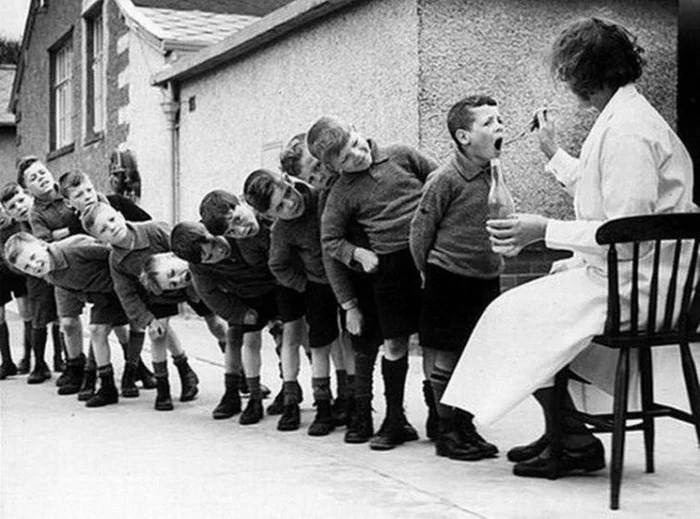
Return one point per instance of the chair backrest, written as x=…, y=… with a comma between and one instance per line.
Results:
x=683, y=230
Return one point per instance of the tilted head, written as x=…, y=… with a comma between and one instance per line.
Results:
x=16, y=201
x=192, y=242
x=223, y=213
x=476, y=126
x=105, y=223
x=77, y=190
x=28, y=254
x=339, y=146
x=273, y=195
x=165, y=271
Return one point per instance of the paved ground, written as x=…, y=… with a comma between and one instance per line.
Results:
x=60, y=459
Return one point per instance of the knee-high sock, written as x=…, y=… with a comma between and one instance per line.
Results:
x=364, y=372
x=28, y=338
x=5, y=352
x=133, y=352
x=439, y=378
x=394, y=374
x=39, y=336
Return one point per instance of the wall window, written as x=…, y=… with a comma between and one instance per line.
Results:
x=62, y=94
x=95, y=69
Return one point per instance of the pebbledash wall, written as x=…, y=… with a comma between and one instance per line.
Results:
x=499, y=47
x=394, y=67
x=360, y=64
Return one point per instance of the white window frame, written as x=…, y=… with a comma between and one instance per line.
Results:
x=62, y=94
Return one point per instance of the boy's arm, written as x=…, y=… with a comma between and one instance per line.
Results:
x=127, y=289
x=40, y=227
x=340, y=278
x=256, y=250
x=334, y=224
x=422, y=164
x=91, y=249
x=224, y=304
x=282, y=264
x=426, y=219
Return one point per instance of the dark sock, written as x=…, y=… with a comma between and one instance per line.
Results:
x=105, y=371
x=28, y=337
x=341, y=380
x=231, y=382
x=322, y=388
x=59, y=347
x=160, y=369
x=39, y=336
x=394, y=374
x=364, y=372
x=180, y=359
x=351, y=386
x=5, y=344
x=133, y=353
x=254, y=387
x=291, y=392
x=438, y=382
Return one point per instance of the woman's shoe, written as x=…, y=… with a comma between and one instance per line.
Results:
x=584, y=459
x=529, y=451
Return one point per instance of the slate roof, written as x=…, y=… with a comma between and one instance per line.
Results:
x=245, y=7
x=7, y=75
x=196, y=26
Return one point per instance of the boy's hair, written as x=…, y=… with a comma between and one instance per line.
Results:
x=9, y=191
x=90, y=215
x=214, y=208
x=290, y=156
x=22, y=166
x=147, y=278
x=71, y=180
x=259, y=187
x=461, y=115
x=14, y=245
x=593, y=53
x=186, y=241
x=327, y=137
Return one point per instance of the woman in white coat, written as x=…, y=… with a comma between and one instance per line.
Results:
x=631, y=163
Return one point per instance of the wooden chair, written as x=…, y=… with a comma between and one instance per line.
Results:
x=631, y=232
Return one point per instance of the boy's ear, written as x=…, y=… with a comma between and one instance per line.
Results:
x=463, y=136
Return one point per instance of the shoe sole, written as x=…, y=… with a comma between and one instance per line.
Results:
x=101, y=404
x=288, y=428
x=164, y=407
x=129, y=393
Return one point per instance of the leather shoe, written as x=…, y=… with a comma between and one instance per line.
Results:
x=40, y=373
x=290, y=419
x=585, y=459
x=451, y=445
x=253, y=412
x=529, y=451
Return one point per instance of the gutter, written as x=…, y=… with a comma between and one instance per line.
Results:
x=267, y=29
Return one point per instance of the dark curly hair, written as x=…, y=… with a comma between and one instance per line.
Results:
x=592, y=54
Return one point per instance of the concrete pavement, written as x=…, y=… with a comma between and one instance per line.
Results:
x=59, y=459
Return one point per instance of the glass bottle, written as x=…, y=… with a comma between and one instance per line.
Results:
x=500, y=202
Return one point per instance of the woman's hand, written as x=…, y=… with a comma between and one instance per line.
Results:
x=546, y=133
x=510, y=235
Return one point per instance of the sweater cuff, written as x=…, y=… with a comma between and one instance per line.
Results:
x=349, y=305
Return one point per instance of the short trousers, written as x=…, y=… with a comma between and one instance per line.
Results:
x=321, y=314
x=291, y=304
x=162, y=306
x=12, y=284
x=106, y=309
x=265, y=306
x=42, y=302
x=69, y=303
x=369, y=341
x=397, y=292
x=452, y=305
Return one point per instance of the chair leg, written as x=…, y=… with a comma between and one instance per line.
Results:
x=557, y=417
x=619, y=423
x=646, y=375
x=691, y=384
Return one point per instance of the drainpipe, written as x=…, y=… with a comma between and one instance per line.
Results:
x=171, y=108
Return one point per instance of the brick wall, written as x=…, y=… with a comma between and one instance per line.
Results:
x=532, y=262
x=92, y=156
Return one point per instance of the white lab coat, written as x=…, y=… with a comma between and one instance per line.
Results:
x=632, y=163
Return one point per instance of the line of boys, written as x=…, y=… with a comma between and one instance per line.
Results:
x=381, y=229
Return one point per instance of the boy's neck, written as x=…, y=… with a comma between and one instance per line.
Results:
x=475, y=162
x=128, y=241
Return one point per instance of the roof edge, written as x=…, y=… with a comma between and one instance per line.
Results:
x=253, y=36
